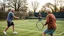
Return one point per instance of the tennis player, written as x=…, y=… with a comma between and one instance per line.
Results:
x=9, y=21
x=50, y=22
x=39, y=16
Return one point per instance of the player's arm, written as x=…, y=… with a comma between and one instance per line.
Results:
x=47, y=20
x=15, y=16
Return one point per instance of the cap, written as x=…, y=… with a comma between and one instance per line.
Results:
x=48, y=10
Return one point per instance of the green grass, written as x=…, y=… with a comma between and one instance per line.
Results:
x=28, y=28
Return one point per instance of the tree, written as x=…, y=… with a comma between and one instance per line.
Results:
x=53, y=7
x=62, y=9
x=35, y=5
x=43, y=8
x=23, y=8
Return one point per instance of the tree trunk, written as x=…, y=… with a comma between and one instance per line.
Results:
x=15, y=6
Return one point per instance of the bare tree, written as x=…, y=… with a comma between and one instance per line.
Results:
x=53, y=7
x=16, y=4
x=20, y=4
x=35, y=5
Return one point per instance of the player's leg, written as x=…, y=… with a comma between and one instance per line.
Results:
x=8, y=25
x=51, y=31
x=51, y=34
x=14, y=32
x=6, y=29
x=43, y=34
x=12, y=26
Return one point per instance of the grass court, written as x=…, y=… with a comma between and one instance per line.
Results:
x=28, y=28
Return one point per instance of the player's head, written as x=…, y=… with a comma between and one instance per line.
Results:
x=48, y=10
x=39, y=13
x=12, y=10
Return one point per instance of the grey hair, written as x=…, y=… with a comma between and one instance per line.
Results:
x=48, y=10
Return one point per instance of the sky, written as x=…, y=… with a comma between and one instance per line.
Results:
x=1, y=1
x=41, y=3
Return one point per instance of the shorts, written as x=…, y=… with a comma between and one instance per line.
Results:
x=51, y=31
x=10, y=24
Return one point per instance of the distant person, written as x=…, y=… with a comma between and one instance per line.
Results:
x=39, y=16
x=50, y=22
x=9, y=21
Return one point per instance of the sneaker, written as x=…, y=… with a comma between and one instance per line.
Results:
x=14, y=32
x=4, y=32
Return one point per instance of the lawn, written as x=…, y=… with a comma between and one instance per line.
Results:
x=28, y=28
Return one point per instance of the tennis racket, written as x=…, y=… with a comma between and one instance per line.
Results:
x=40, y=25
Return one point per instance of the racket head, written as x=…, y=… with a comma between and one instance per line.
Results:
x=40, y=25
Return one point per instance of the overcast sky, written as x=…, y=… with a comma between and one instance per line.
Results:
x=41, y=3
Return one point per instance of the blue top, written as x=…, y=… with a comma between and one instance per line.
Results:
x=10, y=16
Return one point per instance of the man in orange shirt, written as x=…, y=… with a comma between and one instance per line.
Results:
x=50, y=22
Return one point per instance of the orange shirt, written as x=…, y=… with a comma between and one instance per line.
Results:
x=51, y=21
